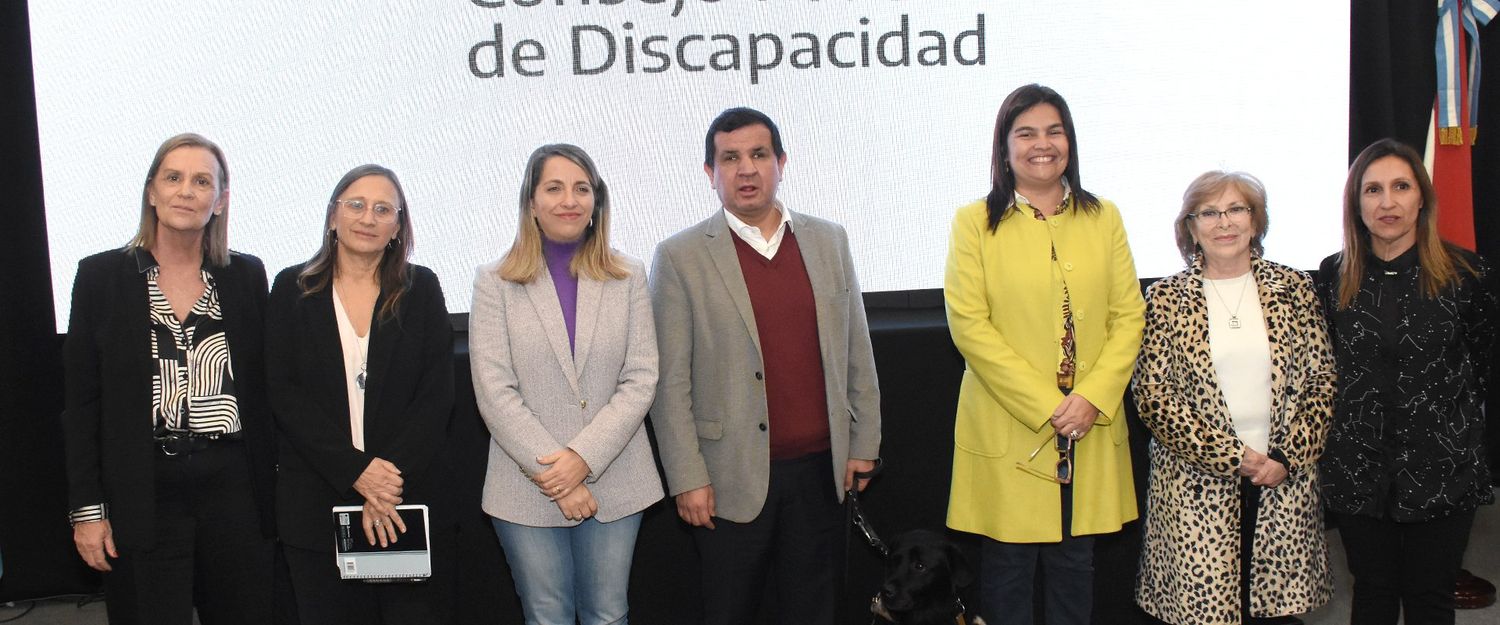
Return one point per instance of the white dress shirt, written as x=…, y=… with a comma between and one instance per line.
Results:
x=752, y=235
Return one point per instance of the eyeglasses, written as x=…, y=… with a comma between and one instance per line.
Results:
x=1213, y=214
x=355, y=208
x=1063, y=472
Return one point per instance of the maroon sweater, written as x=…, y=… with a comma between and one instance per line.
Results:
x=787, y=320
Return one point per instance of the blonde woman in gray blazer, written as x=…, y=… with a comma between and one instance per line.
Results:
x=563, y=350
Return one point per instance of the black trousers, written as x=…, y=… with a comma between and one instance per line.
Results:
x=797, y=541
x=1404, y=568
x=209, y=551
x=325, y=599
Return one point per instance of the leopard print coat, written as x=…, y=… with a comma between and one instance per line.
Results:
x=1190, y=558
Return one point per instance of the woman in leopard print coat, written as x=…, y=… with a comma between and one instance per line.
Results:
x=1239, y=410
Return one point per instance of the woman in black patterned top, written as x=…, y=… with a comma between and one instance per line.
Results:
x=167, y=430
x=1411, y=321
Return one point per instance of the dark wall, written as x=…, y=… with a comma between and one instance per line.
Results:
x=1391, y=82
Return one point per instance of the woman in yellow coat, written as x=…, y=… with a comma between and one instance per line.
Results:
x=1044, y=305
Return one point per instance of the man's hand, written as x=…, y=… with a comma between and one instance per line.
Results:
x=95, y=540
x=697, y=506
x=855, y=465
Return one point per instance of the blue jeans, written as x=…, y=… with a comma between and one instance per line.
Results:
x=566, y=572
x=1008, y=571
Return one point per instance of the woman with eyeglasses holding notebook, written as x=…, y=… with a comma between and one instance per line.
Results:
x=1044, y=305
x=1235, y=381
x=359, y=353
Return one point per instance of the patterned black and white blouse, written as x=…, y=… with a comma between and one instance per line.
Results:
x=192, y=383
x=192, y=388
x=1408, y=435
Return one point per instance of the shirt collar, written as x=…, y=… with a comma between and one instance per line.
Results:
x=1406, y=260
x=1019, y=199
x=740, y=226
x=144, y=261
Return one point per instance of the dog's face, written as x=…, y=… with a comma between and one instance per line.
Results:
x=923, y=574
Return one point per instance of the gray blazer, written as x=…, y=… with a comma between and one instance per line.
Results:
x=538, y=396
x=710, y=410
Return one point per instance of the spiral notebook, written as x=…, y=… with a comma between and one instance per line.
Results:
x=406, y=560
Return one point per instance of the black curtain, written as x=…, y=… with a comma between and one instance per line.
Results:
x=35, y=541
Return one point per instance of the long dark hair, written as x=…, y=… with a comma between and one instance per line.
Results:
x=1002, y=179
x=395, y=269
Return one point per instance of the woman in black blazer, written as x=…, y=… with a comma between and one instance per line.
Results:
x=360, y=358
x=168, y=435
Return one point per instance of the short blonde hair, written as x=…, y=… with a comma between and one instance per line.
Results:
x=1209, y=186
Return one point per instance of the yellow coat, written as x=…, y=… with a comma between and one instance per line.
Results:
x=1004, y=301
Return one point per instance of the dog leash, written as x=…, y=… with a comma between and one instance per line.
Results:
x=857, y=517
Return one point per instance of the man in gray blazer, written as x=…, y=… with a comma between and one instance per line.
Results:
x=767, y=402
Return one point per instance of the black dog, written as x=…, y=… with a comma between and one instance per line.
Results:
x=922, y=576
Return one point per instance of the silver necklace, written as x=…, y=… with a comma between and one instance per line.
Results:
x=364, y=359
x=1234, y=315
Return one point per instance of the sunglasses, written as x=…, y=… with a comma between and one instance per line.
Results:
x=1063, y=472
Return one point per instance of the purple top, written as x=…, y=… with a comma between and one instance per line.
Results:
x=559, y=256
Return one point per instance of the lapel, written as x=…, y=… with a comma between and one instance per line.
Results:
x=1192, y=307
x=383, y=338
x=135, y=335
x=720, y=246
x=543, y=295
x=1274, y=307
x=328, y=351
x=815, y=263
x=590, y=296
x=231, y=303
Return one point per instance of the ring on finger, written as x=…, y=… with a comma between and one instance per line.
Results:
x=377, y=522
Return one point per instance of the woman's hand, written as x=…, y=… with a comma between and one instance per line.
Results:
x=1074, y=417
x=565, y=471
x=1262, y=469
x=380, y=485
x=95, y=540
x=578, y=504
x=382, y=526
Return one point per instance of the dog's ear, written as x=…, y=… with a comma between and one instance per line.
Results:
x=961, y=573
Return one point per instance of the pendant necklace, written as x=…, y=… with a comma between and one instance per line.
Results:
x=364, y=361
x=1234, y=315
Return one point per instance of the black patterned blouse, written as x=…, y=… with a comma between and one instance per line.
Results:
x=1408, y=435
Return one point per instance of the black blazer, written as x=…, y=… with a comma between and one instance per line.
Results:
x=107, y=359
x=408, y=400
